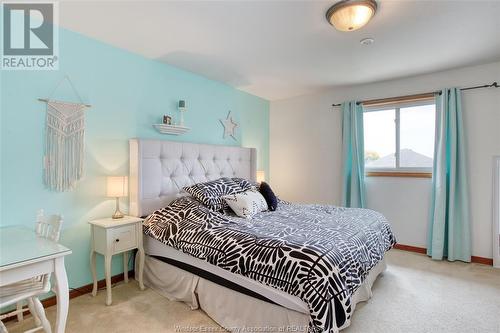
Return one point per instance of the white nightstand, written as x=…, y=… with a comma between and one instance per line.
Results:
x=109, y=237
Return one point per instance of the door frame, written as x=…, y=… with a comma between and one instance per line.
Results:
x=496, y=211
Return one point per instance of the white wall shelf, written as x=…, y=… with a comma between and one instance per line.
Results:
x=171, y=129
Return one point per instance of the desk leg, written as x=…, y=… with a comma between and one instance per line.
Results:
x=19, y=307
x=62, y=294
x=140, y=253
x=93, y=270
x=31, y=306
x=41, y=314
x=107, y=272
x=125, y=266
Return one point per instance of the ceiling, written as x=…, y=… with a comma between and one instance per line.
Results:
x=279, y=49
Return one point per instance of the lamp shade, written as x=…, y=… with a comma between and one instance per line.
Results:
x=117, y=186
x=261, y=176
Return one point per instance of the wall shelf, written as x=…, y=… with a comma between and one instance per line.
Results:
x=171, y=129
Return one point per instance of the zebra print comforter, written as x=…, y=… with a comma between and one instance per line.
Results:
x=319, y=253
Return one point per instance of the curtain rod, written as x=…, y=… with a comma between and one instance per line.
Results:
x=419, y=96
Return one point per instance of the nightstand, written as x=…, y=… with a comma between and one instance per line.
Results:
x=113, y=236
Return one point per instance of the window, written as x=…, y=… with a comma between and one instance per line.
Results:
x=400, y=138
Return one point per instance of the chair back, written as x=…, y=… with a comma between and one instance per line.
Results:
x=48, y=226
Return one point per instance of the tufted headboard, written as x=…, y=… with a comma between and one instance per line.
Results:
x=160, y=169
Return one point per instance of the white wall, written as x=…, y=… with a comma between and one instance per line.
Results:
x=305, y=152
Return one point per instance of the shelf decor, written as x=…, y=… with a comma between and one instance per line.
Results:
x=182, y=108
x=171, y=129
x=229, y=126
x=167, y=120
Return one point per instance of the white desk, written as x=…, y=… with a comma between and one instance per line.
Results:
x=24, y=255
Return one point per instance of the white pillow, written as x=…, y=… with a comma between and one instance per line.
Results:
x=246, y=204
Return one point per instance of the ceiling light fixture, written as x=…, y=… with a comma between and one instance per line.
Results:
x=350, y=15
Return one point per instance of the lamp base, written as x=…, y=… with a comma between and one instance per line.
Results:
x=118, y=214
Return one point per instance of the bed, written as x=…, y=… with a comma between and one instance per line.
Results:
x=300, y=268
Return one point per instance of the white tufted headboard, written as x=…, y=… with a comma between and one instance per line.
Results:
x=160, y=169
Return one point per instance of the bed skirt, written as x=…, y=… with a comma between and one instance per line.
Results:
x=234, y=311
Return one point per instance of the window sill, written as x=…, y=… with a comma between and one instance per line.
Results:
x=402, y=174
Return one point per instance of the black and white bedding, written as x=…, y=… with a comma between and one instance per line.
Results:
x=318, y=253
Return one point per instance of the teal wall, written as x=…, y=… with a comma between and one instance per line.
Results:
x=128, y=93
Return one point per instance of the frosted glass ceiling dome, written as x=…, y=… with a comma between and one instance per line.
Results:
x=350, y=15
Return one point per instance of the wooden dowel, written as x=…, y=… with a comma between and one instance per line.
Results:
x=47, y=100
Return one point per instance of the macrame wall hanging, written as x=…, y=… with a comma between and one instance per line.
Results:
x=64, y=141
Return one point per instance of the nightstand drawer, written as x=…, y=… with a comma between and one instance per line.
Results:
x=124, y=238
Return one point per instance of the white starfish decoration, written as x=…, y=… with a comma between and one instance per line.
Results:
x=229, y=126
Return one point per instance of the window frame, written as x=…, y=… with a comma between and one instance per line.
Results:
x=398, y=171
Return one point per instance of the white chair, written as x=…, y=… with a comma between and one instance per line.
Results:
x=50, y=228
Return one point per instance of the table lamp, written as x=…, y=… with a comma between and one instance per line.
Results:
x=261, y=176
x=117, y=187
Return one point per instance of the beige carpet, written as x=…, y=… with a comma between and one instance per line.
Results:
x=415, y=294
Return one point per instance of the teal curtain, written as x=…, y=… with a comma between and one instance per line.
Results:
x=449, y=221
x=353, y=169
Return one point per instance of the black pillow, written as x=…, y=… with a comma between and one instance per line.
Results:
x=269, y=195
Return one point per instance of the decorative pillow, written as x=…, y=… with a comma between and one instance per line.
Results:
x=210, y=193
x=246, y=204
x=244, y=183
x=269, y=195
